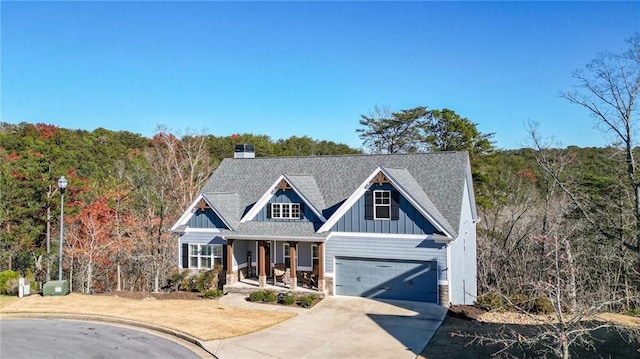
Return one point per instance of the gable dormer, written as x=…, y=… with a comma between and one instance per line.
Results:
x=289, y=198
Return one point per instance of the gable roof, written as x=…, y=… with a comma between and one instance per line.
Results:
x=404, y=182
x=303, y=185
x=435, y=181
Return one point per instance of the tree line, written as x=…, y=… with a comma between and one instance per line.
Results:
x=124, y=193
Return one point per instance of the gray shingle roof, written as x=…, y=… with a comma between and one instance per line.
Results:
x=411, y=186
x=308, y=187
x=440, y=176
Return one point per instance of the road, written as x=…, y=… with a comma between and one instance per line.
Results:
x=51, y=338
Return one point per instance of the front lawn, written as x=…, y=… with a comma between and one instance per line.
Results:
x=204, y=319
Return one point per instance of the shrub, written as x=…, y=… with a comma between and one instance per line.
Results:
x=542, y=305
x=11, y=286
x=5, y=286
x=491, y=301
x=207, y=280
x=519, y=300
x=288, y=299
x=270, y=296
x=307, y=301
x=256, y=296
x=213, y=293
x=177, y=281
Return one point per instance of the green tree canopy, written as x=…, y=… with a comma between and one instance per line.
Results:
x=420, y=129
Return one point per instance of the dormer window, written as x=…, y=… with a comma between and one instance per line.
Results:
x=285, y=210
x=382, y=204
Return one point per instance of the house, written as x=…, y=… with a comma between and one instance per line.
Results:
x=400, y=226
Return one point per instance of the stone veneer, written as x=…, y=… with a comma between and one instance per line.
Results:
x=328, y=285
x=443, y=294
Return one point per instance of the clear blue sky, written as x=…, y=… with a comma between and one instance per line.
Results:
x=303, y=69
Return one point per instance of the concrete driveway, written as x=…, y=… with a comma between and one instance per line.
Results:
x=339, y=327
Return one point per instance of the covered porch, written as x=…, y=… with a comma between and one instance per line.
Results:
x=275, y=264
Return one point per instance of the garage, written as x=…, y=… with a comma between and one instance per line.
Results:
x=387, y=279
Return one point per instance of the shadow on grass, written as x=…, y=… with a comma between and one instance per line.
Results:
x=445, y=344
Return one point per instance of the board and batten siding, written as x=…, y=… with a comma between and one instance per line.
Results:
x=410, y=221
x=386, y=248
x=288, y=196
x=205, y=219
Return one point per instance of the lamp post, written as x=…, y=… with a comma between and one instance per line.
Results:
x=62, y=184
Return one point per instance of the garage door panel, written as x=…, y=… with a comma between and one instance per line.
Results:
x=389, y=279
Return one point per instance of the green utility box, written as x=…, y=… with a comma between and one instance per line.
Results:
x=55, y=287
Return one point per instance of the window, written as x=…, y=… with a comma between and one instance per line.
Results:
x=315, y=258
x=286, y=254
x=285, y=210
x=204, y=255
x=286, y=250
x=382, y=204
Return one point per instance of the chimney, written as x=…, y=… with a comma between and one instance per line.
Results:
x=244, y=151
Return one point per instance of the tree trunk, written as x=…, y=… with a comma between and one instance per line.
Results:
x=119, y=283
x=156, y=281
x=89, y=274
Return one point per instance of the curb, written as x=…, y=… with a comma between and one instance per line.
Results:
x=106, y=319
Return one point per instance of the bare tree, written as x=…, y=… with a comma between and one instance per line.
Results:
x=608, y=88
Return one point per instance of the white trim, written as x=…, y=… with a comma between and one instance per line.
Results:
x=443, y=282
x=257, y=207
x=291, y=206
x=449, y=269
x=201, y=230
x=359, y=192
x=436, y=238
x=273, y=238
x=375, y=205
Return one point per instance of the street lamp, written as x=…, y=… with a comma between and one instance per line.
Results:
x=62, y=184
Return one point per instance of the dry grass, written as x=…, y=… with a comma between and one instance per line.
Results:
x=203, y=319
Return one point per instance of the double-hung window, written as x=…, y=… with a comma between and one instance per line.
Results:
x=285, y=210
x=202, y=256
x=382, y=204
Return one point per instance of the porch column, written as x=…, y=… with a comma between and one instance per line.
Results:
x=321, y=282
x=262, y=268
x=293, y=256
x=231, y=276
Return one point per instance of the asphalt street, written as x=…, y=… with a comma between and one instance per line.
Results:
x=51, y=338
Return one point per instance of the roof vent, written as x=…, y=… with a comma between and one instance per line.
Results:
x=244, y=151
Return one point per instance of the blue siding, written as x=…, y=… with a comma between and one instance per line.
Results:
x=205, y=218
x=463, y=277
x=288, y=196
x=410, y=221
x=386, y=248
